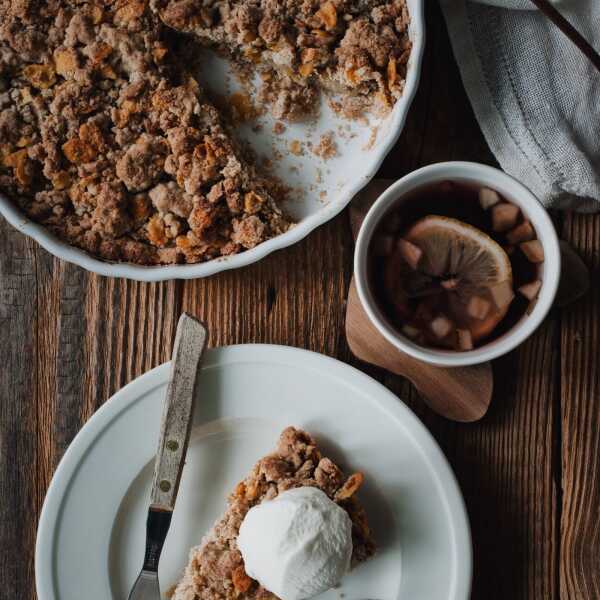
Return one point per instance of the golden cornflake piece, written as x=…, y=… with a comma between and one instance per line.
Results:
x=40, y=76
x=205, y=153
x=14, y=158
x=308, y=55
x=91, y=134
x=328, y=15
x=240, y=490
x=156, y=231
x=102, y=50
x=183, y=242
x=322, y=37
x=78, y=152
x=350, y=487
x=18, y=161
x=306, y=69
x=392, y=72
x=121, y=115
x=249, y=36
x=66, y=62
x=131, y=10
x=96, y=14
x=61, y=180
x=253, y=490
x=352, y=76
x=252, y=202
x=130, y=106
x=252, y=54
x=83, y=149
x=107, y=72
x=159, y=53
x=241, y=581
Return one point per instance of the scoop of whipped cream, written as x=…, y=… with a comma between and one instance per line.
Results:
x=297, y=545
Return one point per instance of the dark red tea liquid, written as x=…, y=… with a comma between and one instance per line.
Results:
x=458, y=200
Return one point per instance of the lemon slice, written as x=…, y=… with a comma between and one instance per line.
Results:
x=453, y=248
x=461, y=273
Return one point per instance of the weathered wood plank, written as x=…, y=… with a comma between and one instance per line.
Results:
x=295, y=296
x=580, y=393
x=19, y=451
x=71, y=324
x=131, y=326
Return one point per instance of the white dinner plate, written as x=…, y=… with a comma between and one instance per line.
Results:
x=320, y=189
x=92, y=529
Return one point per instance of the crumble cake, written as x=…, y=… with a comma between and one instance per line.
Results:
x=109, y=145
x=216, y=568
x=357, y=47
x=107, y=141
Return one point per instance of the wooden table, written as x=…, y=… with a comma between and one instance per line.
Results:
x=530, y=471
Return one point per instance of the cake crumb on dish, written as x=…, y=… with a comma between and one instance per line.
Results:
x=242, y=108
x=372, y=139
x=278, y=128
x=296, y=147
x=327, y=147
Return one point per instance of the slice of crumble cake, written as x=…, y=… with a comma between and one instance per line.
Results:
x=216, y=568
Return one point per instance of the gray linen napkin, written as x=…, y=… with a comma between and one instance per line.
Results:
x=536, y=97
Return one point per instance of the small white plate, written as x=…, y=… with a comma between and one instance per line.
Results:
x=91, y=534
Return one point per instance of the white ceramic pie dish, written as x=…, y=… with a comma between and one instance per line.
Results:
x=338, y=179
x=91, y=533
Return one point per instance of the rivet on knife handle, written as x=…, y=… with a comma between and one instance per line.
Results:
x=190, y=341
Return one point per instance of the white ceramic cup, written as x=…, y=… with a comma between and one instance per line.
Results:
x=511, y=190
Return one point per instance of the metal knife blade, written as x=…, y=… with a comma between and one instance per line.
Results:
x=190, y=341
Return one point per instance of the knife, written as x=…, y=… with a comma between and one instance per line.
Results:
x=190, y=341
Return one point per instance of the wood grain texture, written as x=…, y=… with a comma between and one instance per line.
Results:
x=529, y=470
x=19, y=449
x=580, y=420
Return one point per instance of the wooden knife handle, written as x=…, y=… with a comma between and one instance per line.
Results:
x=190, y=341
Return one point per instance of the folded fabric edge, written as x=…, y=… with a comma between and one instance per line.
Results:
x=509, y=153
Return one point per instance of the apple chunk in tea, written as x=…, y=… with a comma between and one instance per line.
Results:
x=455, y=266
